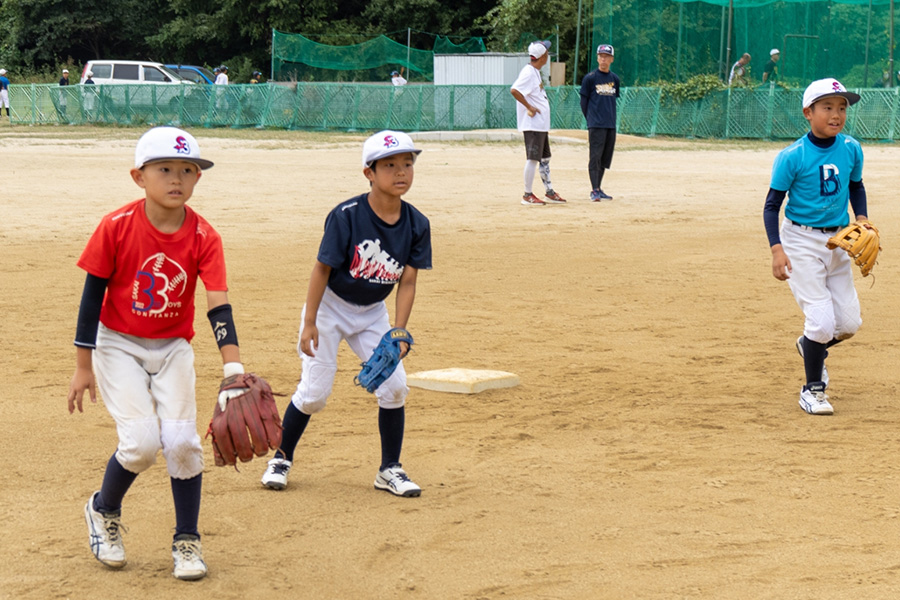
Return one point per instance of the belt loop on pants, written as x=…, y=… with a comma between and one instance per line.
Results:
x=820, y=229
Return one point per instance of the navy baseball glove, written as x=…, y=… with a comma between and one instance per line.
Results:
x=384, y=359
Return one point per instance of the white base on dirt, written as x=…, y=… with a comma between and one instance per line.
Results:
x=462, y=381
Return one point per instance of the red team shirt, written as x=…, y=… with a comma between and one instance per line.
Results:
x=153, y=275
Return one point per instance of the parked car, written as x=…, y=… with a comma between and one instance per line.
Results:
x=194, y=73
x=131, y=71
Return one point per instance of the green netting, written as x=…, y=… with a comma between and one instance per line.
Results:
x=297, y=58
x=443, y=45
x=756, y=113
x=673, y=40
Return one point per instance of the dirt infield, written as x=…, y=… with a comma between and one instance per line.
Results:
x=654, y=449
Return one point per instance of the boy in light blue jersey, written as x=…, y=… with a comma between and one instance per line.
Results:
x=821, y=174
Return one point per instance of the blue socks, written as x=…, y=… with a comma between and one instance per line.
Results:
x=292, y=427
x=116, y=481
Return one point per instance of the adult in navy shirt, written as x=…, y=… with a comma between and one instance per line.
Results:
x=599, y=91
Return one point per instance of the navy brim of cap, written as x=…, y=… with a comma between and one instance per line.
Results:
x=850, y=96
x=200, y=162
x=414, y=152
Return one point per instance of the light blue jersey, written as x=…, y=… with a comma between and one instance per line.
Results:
x=817, y=180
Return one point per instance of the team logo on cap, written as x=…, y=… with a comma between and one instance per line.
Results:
x=390, y=141
x=836, y=86
x=181, y=145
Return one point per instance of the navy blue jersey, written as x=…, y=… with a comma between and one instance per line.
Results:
x=599, y=91
x=366, y=255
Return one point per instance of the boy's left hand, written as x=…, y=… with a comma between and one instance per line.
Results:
x=82, y=380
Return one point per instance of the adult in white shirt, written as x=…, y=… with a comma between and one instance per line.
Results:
x=533, y=118
x=222, y=77
x=397, y=77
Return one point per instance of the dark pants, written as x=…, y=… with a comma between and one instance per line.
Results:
x=602, y=143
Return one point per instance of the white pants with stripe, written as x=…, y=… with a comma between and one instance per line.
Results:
x=363, y=328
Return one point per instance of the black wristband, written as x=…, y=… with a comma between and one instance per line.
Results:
x=222, y=323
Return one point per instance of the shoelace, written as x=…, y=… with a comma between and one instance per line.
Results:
x=399, y=475
x=112, y=525
x=280, y=469
x=188, y=549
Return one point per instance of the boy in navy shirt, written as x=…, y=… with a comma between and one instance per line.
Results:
x=371, y=243
x=599, y=90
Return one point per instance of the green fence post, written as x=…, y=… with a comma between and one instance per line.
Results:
x=655, y=119
x=728, y=114
x=153, y=107
x=325, y=107
x=487, y=108
x=390, y=109
x=893, y=114
x=181, y=106
x=421, y=89
x=770, y=112
x=451, y=107
x=264, y=114
x=33, y=103
x=356, y=93
x=128, y=104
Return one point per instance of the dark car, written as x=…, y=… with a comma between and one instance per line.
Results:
x=194, y=73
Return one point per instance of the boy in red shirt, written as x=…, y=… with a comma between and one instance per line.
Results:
x=134, y=328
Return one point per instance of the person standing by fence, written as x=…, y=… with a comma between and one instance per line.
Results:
x=770, y=73
x=4, y=93
x=739, y=70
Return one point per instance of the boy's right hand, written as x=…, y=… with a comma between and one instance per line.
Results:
x=309, y=340
x=781, y=264
x=82, y=380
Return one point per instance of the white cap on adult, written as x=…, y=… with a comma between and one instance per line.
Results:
x=826, y=88
x=2, y=71
x=538, y=49
x=387, y=143
x=774, y=51
x=168, y=143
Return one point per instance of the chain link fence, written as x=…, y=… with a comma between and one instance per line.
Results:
x=767, y=112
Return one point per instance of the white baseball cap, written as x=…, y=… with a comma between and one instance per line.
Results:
x=2, y=71
x=65, y=70
x=90, y=73
x=774, y=51
x=825, y=88
x=538, y=49
x=168, y=143
x=606, y=49
x=387, y=143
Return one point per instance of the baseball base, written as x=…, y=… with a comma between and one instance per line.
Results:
x=462, y=381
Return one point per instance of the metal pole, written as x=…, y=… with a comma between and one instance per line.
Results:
x=728, y=45
x=408, y=70
x=892, y=45
x=868, y=31
x=722, y=67
x=577, y=44
x=678, y=48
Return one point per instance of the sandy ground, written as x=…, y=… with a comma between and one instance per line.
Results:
x=654, y=448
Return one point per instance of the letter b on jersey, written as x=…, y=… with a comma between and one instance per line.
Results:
x=829, y=182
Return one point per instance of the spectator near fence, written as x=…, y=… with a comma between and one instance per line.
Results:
x=770, y=73
x=4, y=92
x=739, y=70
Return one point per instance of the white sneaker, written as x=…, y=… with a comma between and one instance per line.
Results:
x=105, y=537
x=814, y=401
x=395, y=481
x=275, y=477
x=187, y=553
x=824, y=370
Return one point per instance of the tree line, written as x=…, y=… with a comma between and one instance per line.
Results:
x=40, y=37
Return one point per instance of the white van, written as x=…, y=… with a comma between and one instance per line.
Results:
x=130, y=71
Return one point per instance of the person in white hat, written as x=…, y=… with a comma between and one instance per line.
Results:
x=134, y=329
x=533, y=119
x=62, y=97
x=770, y=72
x=4, y=92
x=372, y=243
x=821, y=176
x=397, y=78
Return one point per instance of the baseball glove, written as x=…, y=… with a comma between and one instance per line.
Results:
x=384, y=359
x=861, y=241
x=245, y=424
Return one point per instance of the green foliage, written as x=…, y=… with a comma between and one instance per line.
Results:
x=695, y=88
